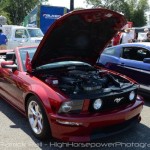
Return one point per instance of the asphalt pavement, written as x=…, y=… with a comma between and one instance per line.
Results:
x=15, y=134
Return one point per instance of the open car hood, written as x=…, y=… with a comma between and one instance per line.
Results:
x=79, y=35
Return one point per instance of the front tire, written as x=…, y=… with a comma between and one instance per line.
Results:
x=37, y=118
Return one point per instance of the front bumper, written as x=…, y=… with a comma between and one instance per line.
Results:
x=93, y=126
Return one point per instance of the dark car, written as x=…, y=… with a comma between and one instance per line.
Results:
x=131, y=59
x=58, y=88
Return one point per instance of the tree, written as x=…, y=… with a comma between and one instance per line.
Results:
x=3, y=4
x=109, y=4
x=137, y=10
x=133, y=10
x=18, y=9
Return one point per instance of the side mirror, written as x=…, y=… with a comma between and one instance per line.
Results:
x=146, y=60
x=8, y=64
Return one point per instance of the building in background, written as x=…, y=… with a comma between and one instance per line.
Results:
x=43, y=16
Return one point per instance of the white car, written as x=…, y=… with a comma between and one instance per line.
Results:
x=22, y=36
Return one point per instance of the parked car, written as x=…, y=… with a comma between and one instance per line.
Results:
x=131, y=59
x=58, y=88
x=22, y=36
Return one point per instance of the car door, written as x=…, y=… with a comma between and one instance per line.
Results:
x=109, y=56
x=12, y=86
x=20, y=38
x=132, y=64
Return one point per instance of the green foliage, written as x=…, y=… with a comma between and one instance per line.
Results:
x=16, y=10
x=109, y=4
x=3, y=4
x=78, y=8
x=133, y=10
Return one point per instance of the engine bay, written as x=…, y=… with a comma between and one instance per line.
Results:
x=78, y=80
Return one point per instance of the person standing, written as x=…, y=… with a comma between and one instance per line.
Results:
x=3, y=40
x=116, y=38
x=126, y=37
x=146, y=30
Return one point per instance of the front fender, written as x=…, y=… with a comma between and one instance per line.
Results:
x=49, y=98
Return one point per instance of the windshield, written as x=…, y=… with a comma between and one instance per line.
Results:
x=35, y=32
x=31, y=51
x=23, y=52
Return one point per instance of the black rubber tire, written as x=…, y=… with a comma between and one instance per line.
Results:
x=46, y=132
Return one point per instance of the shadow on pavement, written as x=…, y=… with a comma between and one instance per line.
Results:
x=147, y=101
x=134, y=138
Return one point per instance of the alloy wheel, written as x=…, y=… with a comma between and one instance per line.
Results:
x=35, y=117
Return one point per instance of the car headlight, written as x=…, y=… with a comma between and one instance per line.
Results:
x=71, y=106
x=97, y=104
x=132, y=96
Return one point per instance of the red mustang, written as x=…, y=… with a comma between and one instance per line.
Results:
x=57, y=86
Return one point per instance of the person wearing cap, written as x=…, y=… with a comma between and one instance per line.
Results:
x=126, y=37
x=3, y=40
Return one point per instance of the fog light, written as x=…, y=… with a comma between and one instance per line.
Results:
x=97, y=104
x=132, y=96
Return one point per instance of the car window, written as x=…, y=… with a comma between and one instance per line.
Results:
x=20, y=33
x=35, y=32
x=109, y=51
x=134, y=53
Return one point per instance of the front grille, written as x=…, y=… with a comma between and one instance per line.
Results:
x=113, y=101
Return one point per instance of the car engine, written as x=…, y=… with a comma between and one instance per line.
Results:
x=83, y=80
x=79, y=82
